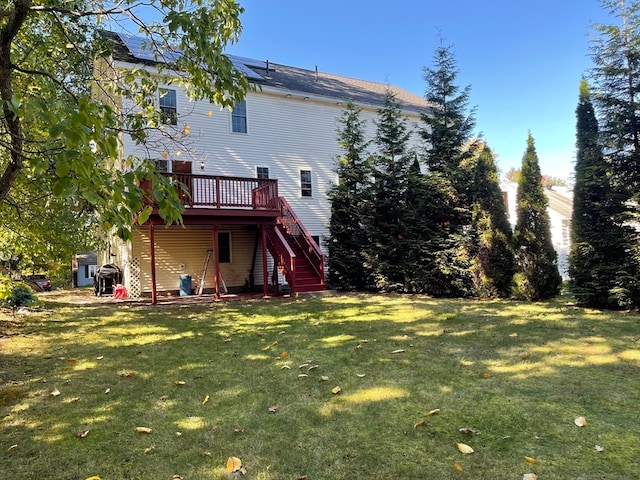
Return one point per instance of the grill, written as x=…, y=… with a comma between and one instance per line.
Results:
x=106, y=278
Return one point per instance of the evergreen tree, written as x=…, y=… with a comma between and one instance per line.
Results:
x=493, y=261
x=386, y=198
x=347, y=237
x=448, y=150
x=597, y=240
x=538, y=277
x=616, y=78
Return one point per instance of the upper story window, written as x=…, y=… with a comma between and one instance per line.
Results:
x=306, y=189
x=239, y=118
x=262, y=173
x=168, y=106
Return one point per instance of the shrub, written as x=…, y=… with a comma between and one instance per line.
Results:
x=14, y=295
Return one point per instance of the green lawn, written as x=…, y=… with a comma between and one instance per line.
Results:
x=254, y=380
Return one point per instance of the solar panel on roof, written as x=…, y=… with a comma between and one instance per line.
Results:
x=144, y=49
x=248, y=62
x=244, y=69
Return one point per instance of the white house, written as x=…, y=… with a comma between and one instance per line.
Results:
x=257, y=179
x=559, y=210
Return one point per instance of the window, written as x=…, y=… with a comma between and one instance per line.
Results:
x=162, y=166
x=224, y=247
x=262, y=173
x=168, y=106
x=239, y=118
x=305, y=183
x=90, y=271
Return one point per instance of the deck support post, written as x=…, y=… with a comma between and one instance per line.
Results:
x=152, y=246
x=265, y=269
x=216, y=260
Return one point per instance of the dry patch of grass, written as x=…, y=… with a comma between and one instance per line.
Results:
x=256, y=380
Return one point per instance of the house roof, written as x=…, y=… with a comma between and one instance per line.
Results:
x=295, y=80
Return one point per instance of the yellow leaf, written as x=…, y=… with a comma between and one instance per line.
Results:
x=486, y=375
x=149, y=449
x=143, y=430
x=336, y=390
x=530, y=476
x=457, y=467
x=209, y=113
x=95, y=477
x=513, y=335
x=164, y=155
x=234, y=464
x=531, y=459
x=464, y=448
x=418, y=424
x=272, y=344
x=580, y=422
x=324, y=378
x=284, y=355
x=206, y=400
x=186, y=130
x=433, y=412
x=274, y=408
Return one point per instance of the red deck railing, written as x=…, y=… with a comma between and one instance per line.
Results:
x=226, y=192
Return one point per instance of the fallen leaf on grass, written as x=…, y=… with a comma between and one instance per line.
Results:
x=464, y=448
x=99, y=357
x=127, y=374
x=304, y=477
x=72, y=361
x=55, y=393
x=530, y=476
x=74, y=400
x=180, y=383
x=94, y=478
x=336, y=390
x=433, y=412
x=457, y=466
x=400, y=350
x=239, y=430
x=513, y=335
x=12, y=447
x=284, y=355
x=107, y=390
x=599, y=448
x=288, y=367
x=205, y=454
x=525, y=356
x=149, y=449
x=580, y=422
x=274, y=408
x=82, y=433
x=486, y=375
x=143, y=430
x=303, y=375
x=234, y=464
x=531, y=459
x=206, y=400
x=418, y=424
x=324, y=378
x=272, y=344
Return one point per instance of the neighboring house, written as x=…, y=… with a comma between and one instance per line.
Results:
x=257, y=177
x=560, y=209
x=84, y=266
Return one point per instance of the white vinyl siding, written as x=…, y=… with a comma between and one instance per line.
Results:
x=287, y=135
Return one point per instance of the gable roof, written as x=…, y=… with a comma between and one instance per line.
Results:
x=299, y=81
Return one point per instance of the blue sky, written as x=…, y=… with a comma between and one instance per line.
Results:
x=522, y=58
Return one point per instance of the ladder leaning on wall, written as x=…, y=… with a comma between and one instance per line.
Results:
x=203, y=275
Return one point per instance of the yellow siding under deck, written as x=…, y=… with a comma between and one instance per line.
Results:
x=182, y=250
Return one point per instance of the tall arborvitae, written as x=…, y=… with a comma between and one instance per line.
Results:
x=537, y=275
x=386, y=198
x=448, y=150
x=347, y=235
x=598, y=252
x=492, y=262
x=616, y=76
